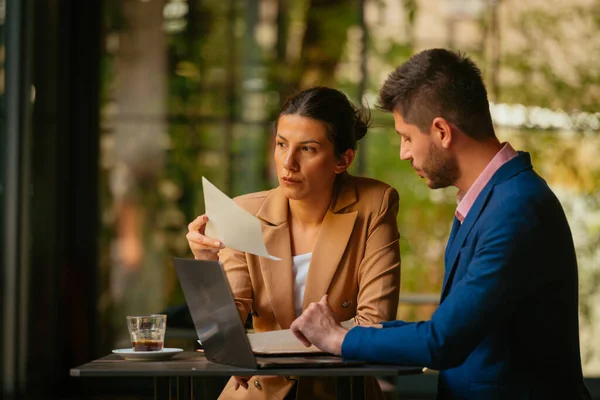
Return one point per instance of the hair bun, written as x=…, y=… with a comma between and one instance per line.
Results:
x=345, y=123
x=362, y=122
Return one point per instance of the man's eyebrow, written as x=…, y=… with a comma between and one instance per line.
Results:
x=401, y=133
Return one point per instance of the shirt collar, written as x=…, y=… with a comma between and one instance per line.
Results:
x=466, y=200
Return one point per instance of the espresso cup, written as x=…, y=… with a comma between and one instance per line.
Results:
x=147, y=332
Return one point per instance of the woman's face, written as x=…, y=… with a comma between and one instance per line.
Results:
x=305, y=157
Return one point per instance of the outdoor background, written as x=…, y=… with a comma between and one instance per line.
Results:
x=191, y=89
x=111, y=111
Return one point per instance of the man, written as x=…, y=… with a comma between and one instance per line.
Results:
x=507, y=324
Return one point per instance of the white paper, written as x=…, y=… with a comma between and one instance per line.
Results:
x=232, y=225
x=279, y=342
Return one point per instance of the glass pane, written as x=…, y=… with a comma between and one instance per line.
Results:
x=191, y=89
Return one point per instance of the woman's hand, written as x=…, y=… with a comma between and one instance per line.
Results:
x=203, y=247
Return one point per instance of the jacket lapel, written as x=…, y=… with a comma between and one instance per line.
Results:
x=455, y=227
x=456, y=241
x=278, y=275
x=460, y=233
x=328, y=251
x=332, y=241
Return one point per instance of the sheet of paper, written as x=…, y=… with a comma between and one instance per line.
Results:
x=283, y=342
x=279, y=342
x=232, y=225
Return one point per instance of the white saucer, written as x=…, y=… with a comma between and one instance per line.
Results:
x=130, y=354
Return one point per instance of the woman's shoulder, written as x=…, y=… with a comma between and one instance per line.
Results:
x=252, y=202
x=367, y=195
x=370, y=186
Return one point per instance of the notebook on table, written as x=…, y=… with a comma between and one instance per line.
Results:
x=222, y=334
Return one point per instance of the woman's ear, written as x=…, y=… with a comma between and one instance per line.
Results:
x=344, y=161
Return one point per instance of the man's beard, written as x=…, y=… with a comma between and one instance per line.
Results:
x=440, y=171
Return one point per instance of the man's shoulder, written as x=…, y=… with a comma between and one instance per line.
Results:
x=526, y=188
x=525, y=198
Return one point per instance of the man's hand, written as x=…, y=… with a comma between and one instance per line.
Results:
x=241, y=381
x=319, y=325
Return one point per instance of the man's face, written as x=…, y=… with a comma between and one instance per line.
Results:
x=431, y=161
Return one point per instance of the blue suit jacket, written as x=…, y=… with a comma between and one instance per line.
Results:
x=507, y=324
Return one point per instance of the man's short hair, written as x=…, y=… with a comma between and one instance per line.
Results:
x=439, y=83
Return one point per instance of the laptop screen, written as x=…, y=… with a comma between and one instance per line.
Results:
x=213, y=310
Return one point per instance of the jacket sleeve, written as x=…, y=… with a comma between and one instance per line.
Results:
x=379, y=270
x=497, y=278
x=236, y=269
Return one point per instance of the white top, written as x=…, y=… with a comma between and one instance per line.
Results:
x=300, y=265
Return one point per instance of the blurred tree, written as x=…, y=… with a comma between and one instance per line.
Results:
x=327, y=24
x=556, y=67
x=549, y=59
x=135, y=158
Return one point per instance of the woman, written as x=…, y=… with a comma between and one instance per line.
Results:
x=335, y=233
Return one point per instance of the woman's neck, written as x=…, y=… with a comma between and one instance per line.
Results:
x=310, y=212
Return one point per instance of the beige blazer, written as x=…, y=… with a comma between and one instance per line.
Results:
x=356, y=260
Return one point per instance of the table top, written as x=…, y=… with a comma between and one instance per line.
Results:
x=189, y=363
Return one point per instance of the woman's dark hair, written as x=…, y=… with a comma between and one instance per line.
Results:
x=345, y=123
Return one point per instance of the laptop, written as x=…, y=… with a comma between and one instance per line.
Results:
x=220, y=329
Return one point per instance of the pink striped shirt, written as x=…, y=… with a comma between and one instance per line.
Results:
x=466, y=200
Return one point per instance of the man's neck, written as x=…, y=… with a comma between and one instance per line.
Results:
x=476, y=156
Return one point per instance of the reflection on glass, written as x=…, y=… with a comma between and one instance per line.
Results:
x=191, y=88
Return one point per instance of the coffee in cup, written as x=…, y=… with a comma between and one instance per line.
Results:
x=147, y=332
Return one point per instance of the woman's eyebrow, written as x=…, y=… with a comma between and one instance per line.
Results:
x=303, y=142
x=311, y=141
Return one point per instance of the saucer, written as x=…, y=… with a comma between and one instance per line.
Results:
x=130, y=354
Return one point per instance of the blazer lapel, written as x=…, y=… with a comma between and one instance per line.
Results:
x=461, y=236
x=332, y=241
x=278, y=275
x=328, y=251
x=455, y=226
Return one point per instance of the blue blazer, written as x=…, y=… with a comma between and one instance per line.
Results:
x=507, y=325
